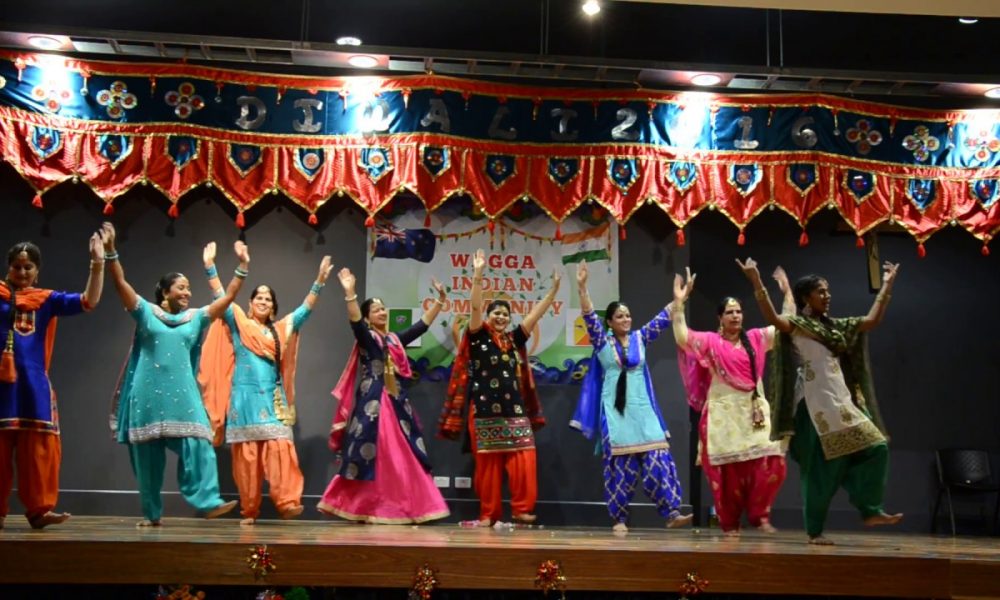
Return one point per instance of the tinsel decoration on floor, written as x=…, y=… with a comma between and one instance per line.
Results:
x=260, y=562
x=179, y=592
x=424, y=583
x=296, y=593
x=692, y=585
x=550, y=577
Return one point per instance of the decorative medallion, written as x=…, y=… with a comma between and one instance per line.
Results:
x=500, y=168
x=245, y=158
x=863, y=136
x=308, y=161
x=983, y=144
x=922, y=192
x=45, y=142
x=114, y=147
x=117, y=99
x=985, y=191
x=921, y=143
x=802, y=177
x=376, y=162
x=435, y=160
x=745, y=178
x=623, y=172
x=860, y=184
x=51, y=95
x=563, y=170
x=181, y=150
x=184, y=100
x=682, y=175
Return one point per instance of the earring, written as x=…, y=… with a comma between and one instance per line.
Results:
x=164, y=304
x=807, y=310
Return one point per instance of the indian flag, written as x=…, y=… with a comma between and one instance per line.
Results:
x=590, y=245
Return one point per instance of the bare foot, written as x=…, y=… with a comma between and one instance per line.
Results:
x=247, y=522
x=147, y=523
x=485, y=522
x=766, y=527
x=733, y=533
x=619, y=528
x=883, y=519
x=820, y=541
x=49, y=518
x=221, y=509
x=292, y=512
x=525, y=518
x=679, y=521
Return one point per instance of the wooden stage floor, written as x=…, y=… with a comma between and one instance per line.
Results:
x=111, y=550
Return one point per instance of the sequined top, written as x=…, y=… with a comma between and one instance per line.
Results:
x=251, y=414
x=159, y=397
x=500, y=419
x=29, y=403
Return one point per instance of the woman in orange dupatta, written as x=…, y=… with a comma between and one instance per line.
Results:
x=29, y=420
x=248, y=382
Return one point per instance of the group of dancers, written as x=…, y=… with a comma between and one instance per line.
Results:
x=198, y=377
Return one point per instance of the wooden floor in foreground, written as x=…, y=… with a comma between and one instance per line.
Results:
x=111, y=550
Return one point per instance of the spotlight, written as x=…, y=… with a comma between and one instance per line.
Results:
x=45, y=42
x=363, y=61
x=591, y=7
x=706, y=79
x=968, y=20
x=348, y=40
x=992, y=93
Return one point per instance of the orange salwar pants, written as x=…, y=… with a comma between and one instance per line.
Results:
x=271, y=460
x=36, y=455
x=522, y=479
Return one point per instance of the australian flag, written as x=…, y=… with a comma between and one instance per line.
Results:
x=393, y=242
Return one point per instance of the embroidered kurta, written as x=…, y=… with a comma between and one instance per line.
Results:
x=159, y=396
x=500, y=419
x=30, y=403
x=252, y=414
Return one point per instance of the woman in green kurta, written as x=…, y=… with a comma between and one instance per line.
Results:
x=824, y=400
x=158, y=406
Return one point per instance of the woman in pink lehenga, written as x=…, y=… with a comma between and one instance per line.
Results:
x=384, y=475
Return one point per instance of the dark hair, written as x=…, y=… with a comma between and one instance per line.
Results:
x=34, y=254
x=805, y=286
x=721, y=310
x=270, y=290
x=611, y=309
x=497, y=303
x=164, y=284
x=367, y=305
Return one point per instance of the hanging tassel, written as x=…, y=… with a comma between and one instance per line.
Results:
x=8, y=373
x=921, y=251
x=108, y=209
x=803, y=239
x=173, y=212
x=741, y=239
x=985, y=250
x=558, y=232
x=241, y=221
x=621, y=233
x=860, y=242
x=37, y=201
x=427, y=220
x=370, y=222
x=313, y=219
x=491, y=225
x=681, y=239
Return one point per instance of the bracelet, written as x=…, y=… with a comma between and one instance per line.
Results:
x=211, y=271
x=96, y=263
x=110, y=256
x=240, y=273
x=439, y=302
x=761, y=293
x=316, y=288
x=883, y=298
x=350, y=298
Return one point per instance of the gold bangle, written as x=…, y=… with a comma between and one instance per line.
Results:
x=350, y=298
x=761, y=293
x=883, y=298
x=439, y=302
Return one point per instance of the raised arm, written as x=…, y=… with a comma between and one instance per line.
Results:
x=763, y=300
x=347, y=281
x=682, y=290
x=432, y=313
x=125, y=292
x=95, y=280
x=543, y=305
x=877, y=311
x=787, y=297
x=476, y=310
x=325, y=266
x=219, y=306
x=214, y=283
x=586, y=306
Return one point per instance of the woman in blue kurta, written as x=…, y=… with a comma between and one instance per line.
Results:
x=29, y=420
x=248, y=379
x=158, y=406
x=617, y=399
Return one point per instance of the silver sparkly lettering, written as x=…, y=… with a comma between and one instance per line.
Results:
x=437, y=113
x=246, y=103
x=495, y=131
x=745, y=123
x=802, y=136
x=307, y=125
x=627, y=118
x=377, y=117
x=564, y=134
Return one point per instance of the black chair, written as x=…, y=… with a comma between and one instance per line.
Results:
x=964, y=472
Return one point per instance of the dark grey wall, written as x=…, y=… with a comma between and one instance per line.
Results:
x=930, y=355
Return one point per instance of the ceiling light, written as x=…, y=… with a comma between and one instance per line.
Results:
x=968, y=20
x=44, y=42
x=992, y=93
x=363, y=61
x=591, y=7
x=348, y=40
x=706, y=79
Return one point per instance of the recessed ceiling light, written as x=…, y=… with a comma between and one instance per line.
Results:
x=968, y=20
x=591, y=7
x=363, y=61
x=45, y=42
x=348, y=40
x=706, y=79
x=992, y=93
